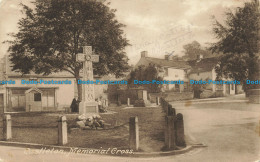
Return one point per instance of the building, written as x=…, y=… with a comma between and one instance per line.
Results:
x=24, y=97
x=169, y=69
x=204, y=69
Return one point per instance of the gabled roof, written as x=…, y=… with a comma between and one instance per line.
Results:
x=33, y=89
x=206, y=64
x=164, y=63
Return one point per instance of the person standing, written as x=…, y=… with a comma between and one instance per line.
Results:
x=74, y=105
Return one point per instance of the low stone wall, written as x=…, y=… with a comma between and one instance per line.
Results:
x=210, y=94
x=178, y=96
x=254, y=95
x=152, y=96
x=171, y=96
x=122, y=95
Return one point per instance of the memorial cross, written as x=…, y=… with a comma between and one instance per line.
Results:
x=88, y=104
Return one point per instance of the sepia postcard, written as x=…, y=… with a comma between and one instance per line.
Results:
x=130, y=80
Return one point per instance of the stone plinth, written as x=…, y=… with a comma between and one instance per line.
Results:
x=88, y=107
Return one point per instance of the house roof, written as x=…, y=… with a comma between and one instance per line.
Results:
x=206, y=64
x=167, y=63
x=33, y=89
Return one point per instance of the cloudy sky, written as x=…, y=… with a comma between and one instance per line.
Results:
x=156, y=26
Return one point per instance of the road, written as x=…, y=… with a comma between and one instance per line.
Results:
x=228, y=127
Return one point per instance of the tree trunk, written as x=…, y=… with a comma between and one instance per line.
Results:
x=79, y=88
x=253, y=71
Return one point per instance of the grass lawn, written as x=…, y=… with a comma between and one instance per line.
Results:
x=42, y=128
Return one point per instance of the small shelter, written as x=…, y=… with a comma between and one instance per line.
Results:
x=33, y=99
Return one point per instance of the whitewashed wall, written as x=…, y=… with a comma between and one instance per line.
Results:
x=175, y=75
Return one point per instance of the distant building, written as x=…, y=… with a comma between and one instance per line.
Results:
x=169, y=69
x=172, y=68
x=204, y=69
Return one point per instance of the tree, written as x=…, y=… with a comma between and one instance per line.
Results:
x=193, y=49
x=147, y=73
x=53, y=32
x=237, y=40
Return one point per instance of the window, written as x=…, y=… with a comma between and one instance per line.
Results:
x=37, y=97
x=166, y=72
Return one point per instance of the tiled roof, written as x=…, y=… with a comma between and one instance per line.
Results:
x=206, y=64
x=168, y=63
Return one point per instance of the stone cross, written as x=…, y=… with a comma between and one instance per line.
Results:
x=88, y=104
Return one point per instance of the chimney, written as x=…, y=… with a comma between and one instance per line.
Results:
x=144, y=54
x=168, y=57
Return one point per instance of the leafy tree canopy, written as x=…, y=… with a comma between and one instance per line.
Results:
x=54, y=31
x=147, y=73
x=237, y=40
x=193, y=49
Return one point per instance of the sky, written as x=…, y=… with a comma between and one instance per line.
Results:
x=157, y=26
